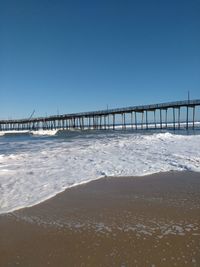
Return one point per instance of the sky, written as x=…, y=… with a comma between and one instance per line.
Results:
x=61, y=56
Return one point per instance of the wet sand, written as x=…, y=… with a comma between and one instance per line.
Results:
x=129, y=221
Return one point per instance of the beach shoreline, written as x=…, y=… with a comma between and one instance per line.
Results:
x=114, y=221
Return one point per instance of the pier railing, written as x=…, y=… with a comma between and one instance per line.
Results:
x=126, y=117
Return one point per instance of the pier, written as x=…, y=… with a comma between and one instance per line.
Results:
x=182, y=115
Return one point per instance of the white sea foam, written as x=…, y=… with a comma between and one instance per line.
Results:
x=28, y=132
x=33, y=169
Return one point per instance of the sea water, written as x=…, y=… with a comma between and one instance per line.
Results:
x=36, y=167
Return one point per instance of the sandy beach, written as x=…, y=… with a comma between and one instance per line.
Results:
x=129, y=221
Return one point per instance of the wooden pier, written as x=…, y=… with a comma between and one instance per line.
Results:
x=182, y=115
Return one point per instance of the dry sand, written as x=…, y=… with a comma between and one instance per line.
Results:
x=129, y=221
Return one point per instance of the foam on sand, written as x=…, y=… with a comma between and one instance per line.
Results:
x=33, y=170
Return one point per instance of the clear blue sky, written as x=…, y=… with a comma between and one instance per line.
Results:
x=72, y=56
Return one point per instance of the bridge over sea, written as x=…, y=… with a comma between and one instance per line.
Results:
x=163, y=115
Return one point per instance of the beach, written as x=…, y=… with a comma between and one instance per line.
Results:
x=99, y=133
x=151, y=220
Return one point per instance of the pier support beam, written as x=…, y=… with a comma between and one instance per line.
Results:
x=187, y=117
x=113, y=121
x=104, y=122
x=160, y=118
x=193, y=117
x=135, y=120
x=142, y=120
x=174, y=125
x=124, y=121
x=122, y=114
x=146, y=119
x=166, y=118
x=132, y=120
x=179, y=118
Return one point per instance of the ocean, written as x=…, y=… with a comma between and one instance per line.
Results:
x=35, y=167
